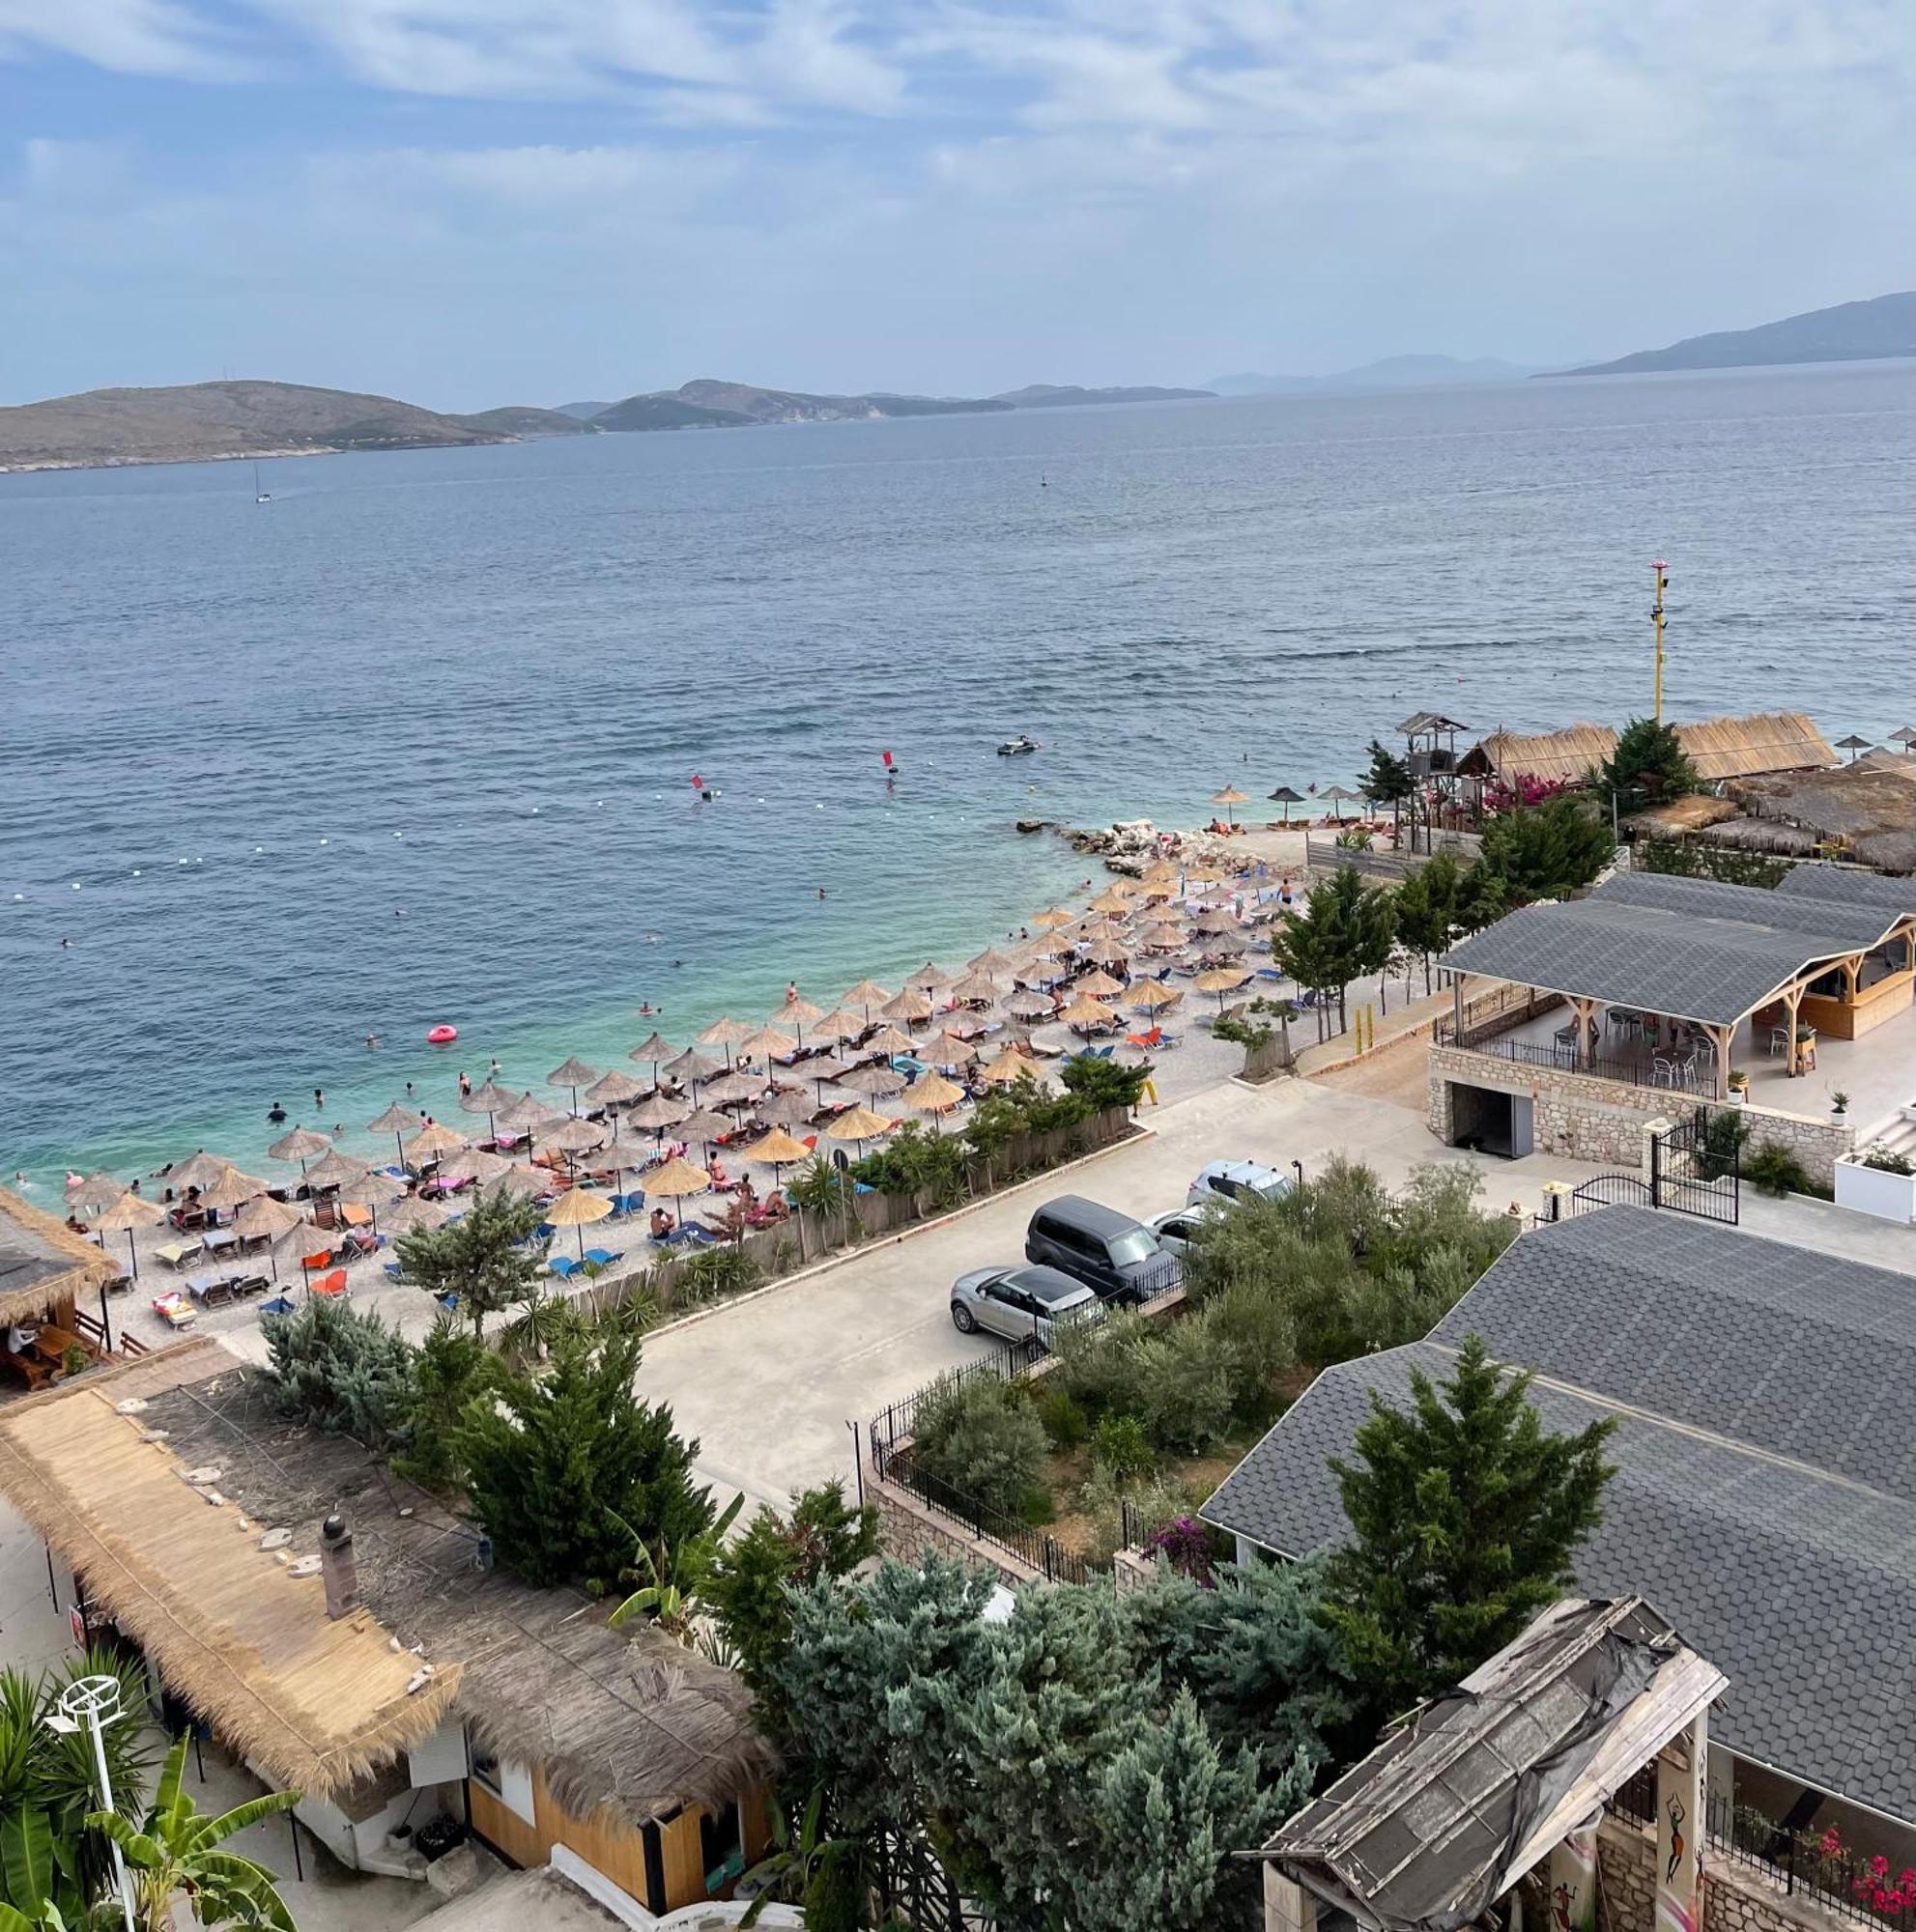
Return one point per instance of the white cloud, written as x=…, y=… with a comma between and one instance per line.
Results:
x=148, y=37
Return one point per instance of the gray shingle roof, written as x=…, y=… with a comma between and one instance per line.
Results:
x=1766, y=1498
x=1834, y=885
x=1690, y=948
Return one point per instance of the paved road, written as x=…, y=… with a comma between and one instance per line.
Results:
x=768, y=1385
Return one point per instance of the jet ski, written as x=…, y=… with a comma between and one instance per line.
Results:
x=1018, y=746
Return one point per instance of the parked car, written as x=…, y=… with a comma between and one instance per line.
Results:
x=1019, y=1301
x=1176, y=1229
x=1118, y=1257
x=1226, y=1180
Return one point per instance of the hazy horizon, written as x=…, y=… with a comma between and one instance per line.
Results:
x=467, y=203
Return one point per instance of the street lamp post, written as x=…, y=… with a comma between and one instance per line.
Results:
x=94, y=1702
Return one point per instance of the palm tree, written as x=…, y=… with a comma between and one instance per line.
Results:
x=49, y=1860
x=176, y=1853
x=673, y=1577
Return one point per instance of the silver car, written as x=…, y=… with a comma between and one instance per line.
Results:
x=1177, y=1229
x=1020, y=1301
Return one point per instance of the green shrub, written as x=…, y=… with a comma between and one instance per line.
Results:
x=342, y=1371
x=1155, y=1500
x=1121, y=1446
x=981, y=1439
x=451, y=1368
x=1189, y=1384
x=918, y=1162
x=1886, y=1161
x=1772, y=1168
x=1097, y=1363
x=714, y=1273
x=1257, y=1328
x=1725, y=1130
x=1063, y=1421
x=1104, y=1083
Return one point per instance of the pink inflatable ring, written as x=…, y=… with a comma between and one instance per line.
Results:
x=441, y=1036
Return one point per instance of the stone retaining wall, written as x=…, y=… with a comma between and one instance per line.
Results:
x=908, y=1527
x=1817, y=1144
x=1736, y=1897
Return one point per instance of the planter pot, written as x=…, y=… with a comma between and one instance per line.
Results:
x=1871, y=1190
x=1738, y=1095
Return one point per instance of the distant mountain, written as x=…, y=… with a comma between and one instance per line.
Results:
x=202, y=421
x=1393, y=372
x=1062, y=395
x=710, y=404
x=1858, y=331
x=523, y=423
x=584, y=412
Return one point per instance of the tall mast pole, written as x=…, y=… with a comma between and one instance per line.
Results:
x=1660, y=570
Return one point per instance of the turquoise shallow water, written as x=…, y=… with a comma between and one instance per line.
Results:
x=421, y=729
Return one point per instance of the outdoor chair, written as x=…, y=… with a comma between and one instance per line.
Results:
x=279, y=1304
x=603, y=1257
x=563, y=1265
x=180, y=1253
x=329, y=1284
x=175, y=1309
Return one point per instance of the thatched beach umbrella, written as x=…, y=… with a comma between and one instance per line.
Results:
x=578, y=1208
x=335, y=1170
x=432, y=1141
x=944, y=1048
x=658, y=1113
x=1152, y=996
x=859, y=1125
x=489, y=1099
x=372, y=1190
x=613, y=1090
x=909, y=1005
x=876, y=1081
x=1215, y=919
x=120, y=1217
x=930, y=978
x=838, y=1026
x=574, y=1074
x=301, y=1144
x=865, y=995
x=933, y=1094
x=798, y=1014
x=1030, y=1006
x=474, y=1164
x=1230, y=798
x=1108, y=951
x=1220, y=979
x=86, y=1198
x=572, y=1136
x=678, y=1180
x=416, y=1210
x=518, y=1182
x=722, y=1033
x=980, y=986
x=1084, y=1012
x=263, y=1215
x=990, y=961
x=1112, y=900
x=1010, y=1065
x=230, y=1191
x=528, y=1115
x=706, y=1127
x=199, y=1171
x=1050, y=919
x=1287, y=798
x=655, y=1048
x=1341, y=796
x=693, y=1066
x=1161, y=936
x=397, y=1121
x=1098, y=986
x=768, y=1044
x=735, y=1089
x=1225, y=944
x=822, y=1073
x=890, y=1038
x=780, y=1149
x=788, y=1108
x=1853, y=745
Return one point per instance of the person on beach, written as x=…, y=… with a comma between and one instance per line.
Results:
x=409, y=1089
x=791, y=992
x=661, y=1224
x=464, y=1086
x=319, y=1099
x=275, y=1115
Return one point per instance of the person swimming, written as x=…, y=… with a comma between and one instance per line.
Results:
x=275, y=1114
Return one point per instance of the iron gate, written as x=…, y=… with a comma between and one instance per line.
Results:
x=1695, y=1168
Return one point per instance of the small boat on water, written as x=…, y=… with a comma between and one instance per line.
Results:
x=260, y=496
x=1018, y=746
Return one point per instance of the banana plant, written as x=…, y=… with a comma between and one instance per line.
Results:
x=672, y=1579
x=176, y=1853
x=809, y=1868
x=47, y=1918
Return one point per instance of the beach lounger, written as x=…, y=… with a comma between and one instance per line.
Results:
x=329, y=1284
x=394, y=1271
x=602, y=1257
x=178, y=1254
x=213, y=1291
x=562, y=1265
x=175, y=1309
x=279, y=1304
x=688, y=1235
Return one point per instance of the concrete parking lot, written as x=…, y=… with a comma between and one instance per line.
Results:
x=769, y=1385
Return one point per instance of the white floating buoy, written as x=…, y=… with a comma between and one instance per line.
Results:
x=18, y=897
x=76, y=885
x=180, y=862
x=136, y=871
x=259, y=848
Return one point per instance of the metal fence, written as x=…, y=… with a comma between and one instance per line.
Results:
x=1564, y=1058
x=1811, y=1864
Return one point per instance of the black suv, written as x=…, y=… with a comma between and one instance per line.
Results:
x=1120, y=1258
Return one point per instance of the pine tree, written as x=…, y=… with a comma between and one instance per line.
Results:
x=1648, y=766
x=1545, y=853
x=450, y=1368
x=487, y=1258
x=1389, y=779
x=1426, y=909
x=1464, y=1515
x=342, y=1371
x=565, y=1458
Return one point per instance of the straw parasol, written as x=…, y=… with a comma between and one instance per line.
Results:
x=432, y=1141
x=1161, y=935
x=944, y=1048
x=780, y=1149
x=374, y=1190
x=1111, y=899
x=1341, y=796
x=201, y=1171
x=693, y=1066
x=859, y=1125
x=876, y=1081
x=990, y=961
x=527, y=1115
x=910, y=1004
x=578, y=1208
x=1152, y=996
x=1230, y=798
x=735, y=1089
x=398, y=1120
x=232, y=1190
x=524, y=1182
x=1853, y=745
x=768, y=1043
x=1087, y=1012
x=574, y=1074
x=891, y=1040
x=655, y=1049
x=933, y=1094
x=1220, y=979
x=1098, y=985
x=1222, y=945
x=416, y=1210
x=930, y=978
x=1205, y=873
x=1029, y=1006
x=572, y=1136
x=675, y=1182
x=1050, y=919
x=301, y=1144
x=615, y=1090
x=274, y=1219
x=120, y=1217
x=97, y=1191
x=788, y=1108
x=1108, y=951
x=1287, y=798
x=722, y=1033
x=336, y=1170
x=706, y=1126
x=798, y=1014
x=865, y=995
x=658, y=1113
x=1217, y=920
x=1010, y=1065
x=839, y=1025
x=975, y=986
x=474, y=1164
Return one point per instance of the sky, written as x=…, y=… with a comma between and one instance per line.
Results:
x=469, y=203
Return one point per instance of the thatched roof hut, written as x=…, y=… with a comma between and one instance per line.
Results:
x=1867, y=808
x=1720, y=747
x=635, y=1724
x=44, y=1265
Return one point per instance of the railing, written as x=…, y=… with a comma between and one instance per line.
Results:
x=1493, y=1014
x=1839, y=1880
x=1699, y=1080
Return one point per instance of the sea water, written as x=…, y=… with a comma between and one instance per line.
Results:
x=413, y=743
